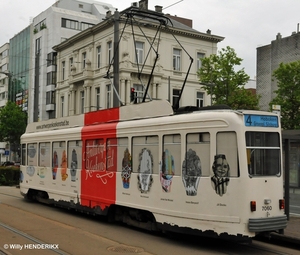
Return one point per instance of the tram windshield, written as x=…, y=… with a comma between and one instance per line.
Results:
x=263, y=153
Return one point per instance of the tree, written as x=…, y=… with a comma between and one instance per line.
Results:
x=223, y=83
x=288, y=94
x=13, y=123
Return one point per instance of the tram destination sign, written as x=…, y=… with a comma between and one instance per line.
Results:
x=252, y=120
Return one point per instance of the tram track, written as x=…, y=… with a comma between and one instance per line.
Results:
x=258, y=246
x=30, y=238
x=9, y=195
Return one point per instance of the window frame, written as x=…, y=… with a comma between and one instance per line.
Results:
x=176, y=59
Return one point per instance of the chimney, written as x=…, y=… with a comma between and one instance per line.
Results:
x=143, y=4
x=158, y=8
x=278, y=36
x=108, y=14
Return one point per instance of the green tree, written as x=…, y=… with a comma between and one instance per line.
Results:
x=288, y=94
x=13, y=123
x=225, y=85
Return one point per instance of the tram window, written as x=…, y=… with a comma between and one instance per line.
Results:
x=74, y=158
x=197, y=148
x=32, y=154
x=171, y=158
x=44, y=154
x=119, y=147
x=227, y=146
x=59, y=159
x=263, y=153
x=145, y=154
x=23, y=155
x=95, y=155
x=111, y=152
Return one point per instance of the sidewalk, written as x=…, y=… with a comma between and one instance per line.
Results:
x=292, y=231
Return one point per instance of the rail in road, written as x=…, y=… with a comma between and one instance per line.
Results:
x=33, y=223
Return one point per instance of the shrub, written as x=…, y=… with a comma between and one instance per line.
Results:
x=9, y=176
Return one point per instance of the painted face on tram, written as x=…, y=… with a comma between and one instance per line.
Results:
x=221, y=167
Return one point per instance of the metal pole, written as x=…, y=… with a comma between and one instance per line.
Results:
x=287, y=177
x=116, y=101
x=36, y=89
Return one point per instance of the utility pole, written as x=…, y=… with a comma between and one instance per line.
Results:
x=36, y=88
x=116, y=80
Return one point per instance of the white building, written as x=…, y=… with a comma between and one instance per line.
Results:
x=62, y=20
x=4, y=78
x=83, y=62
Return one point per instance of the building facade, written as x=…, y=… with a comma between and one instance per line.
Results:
x=62, y=20
x=19, y=66
x=4, y=74
x=84, y=64
x=4, y=80
x=269, y=57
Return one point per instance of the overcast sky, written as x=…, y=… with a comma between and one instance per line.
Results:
x=245, y=24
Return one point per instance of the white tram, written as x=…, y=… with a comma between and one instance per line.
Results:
x=211, y=171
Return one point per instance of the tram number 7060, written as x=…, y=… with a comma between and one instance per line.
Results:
x=266, y=208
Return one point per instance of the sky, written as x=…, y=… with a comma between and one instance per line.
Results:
x=245, y=24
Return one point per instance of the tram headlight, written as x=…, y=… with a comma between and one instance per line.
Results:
x=281, y=204
x=253, y=206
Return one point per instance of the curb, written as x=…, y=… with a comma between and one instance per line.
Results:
x=284, y=238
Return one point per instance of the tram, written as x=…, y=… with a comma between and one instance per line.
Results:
x=215, y=172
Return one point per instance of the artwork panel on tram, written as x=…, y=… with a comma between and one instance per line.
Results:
x=75, y=164
x=31, y=159
x=98, y=186
x=170, y=161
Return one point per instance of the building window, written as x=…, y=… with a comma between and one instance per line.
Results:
x=98, y=56
x=4, y=68
x=139, y=52
x=62, y=100
x=108, y=96
x=176, y=94
x=109, y=52
x=81, y=101
x=83, y=60
x=199, y=99
x=4, y=54
x=85, y=25
x=176, y=59
x=71, y=63
x=98, y=98
x=139, y=90
x=51, y=78
x=40, y=26
x=37, y=45
x=199, y=60
x=51, y=58
x=71, y=24
x=49, y=95
x=63, y=67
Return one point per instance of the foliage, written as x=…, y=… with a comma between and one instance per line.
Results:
x=13, y=123
x=225, y=85
x=9, y=176
x=288, y=94
x=43, y=26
